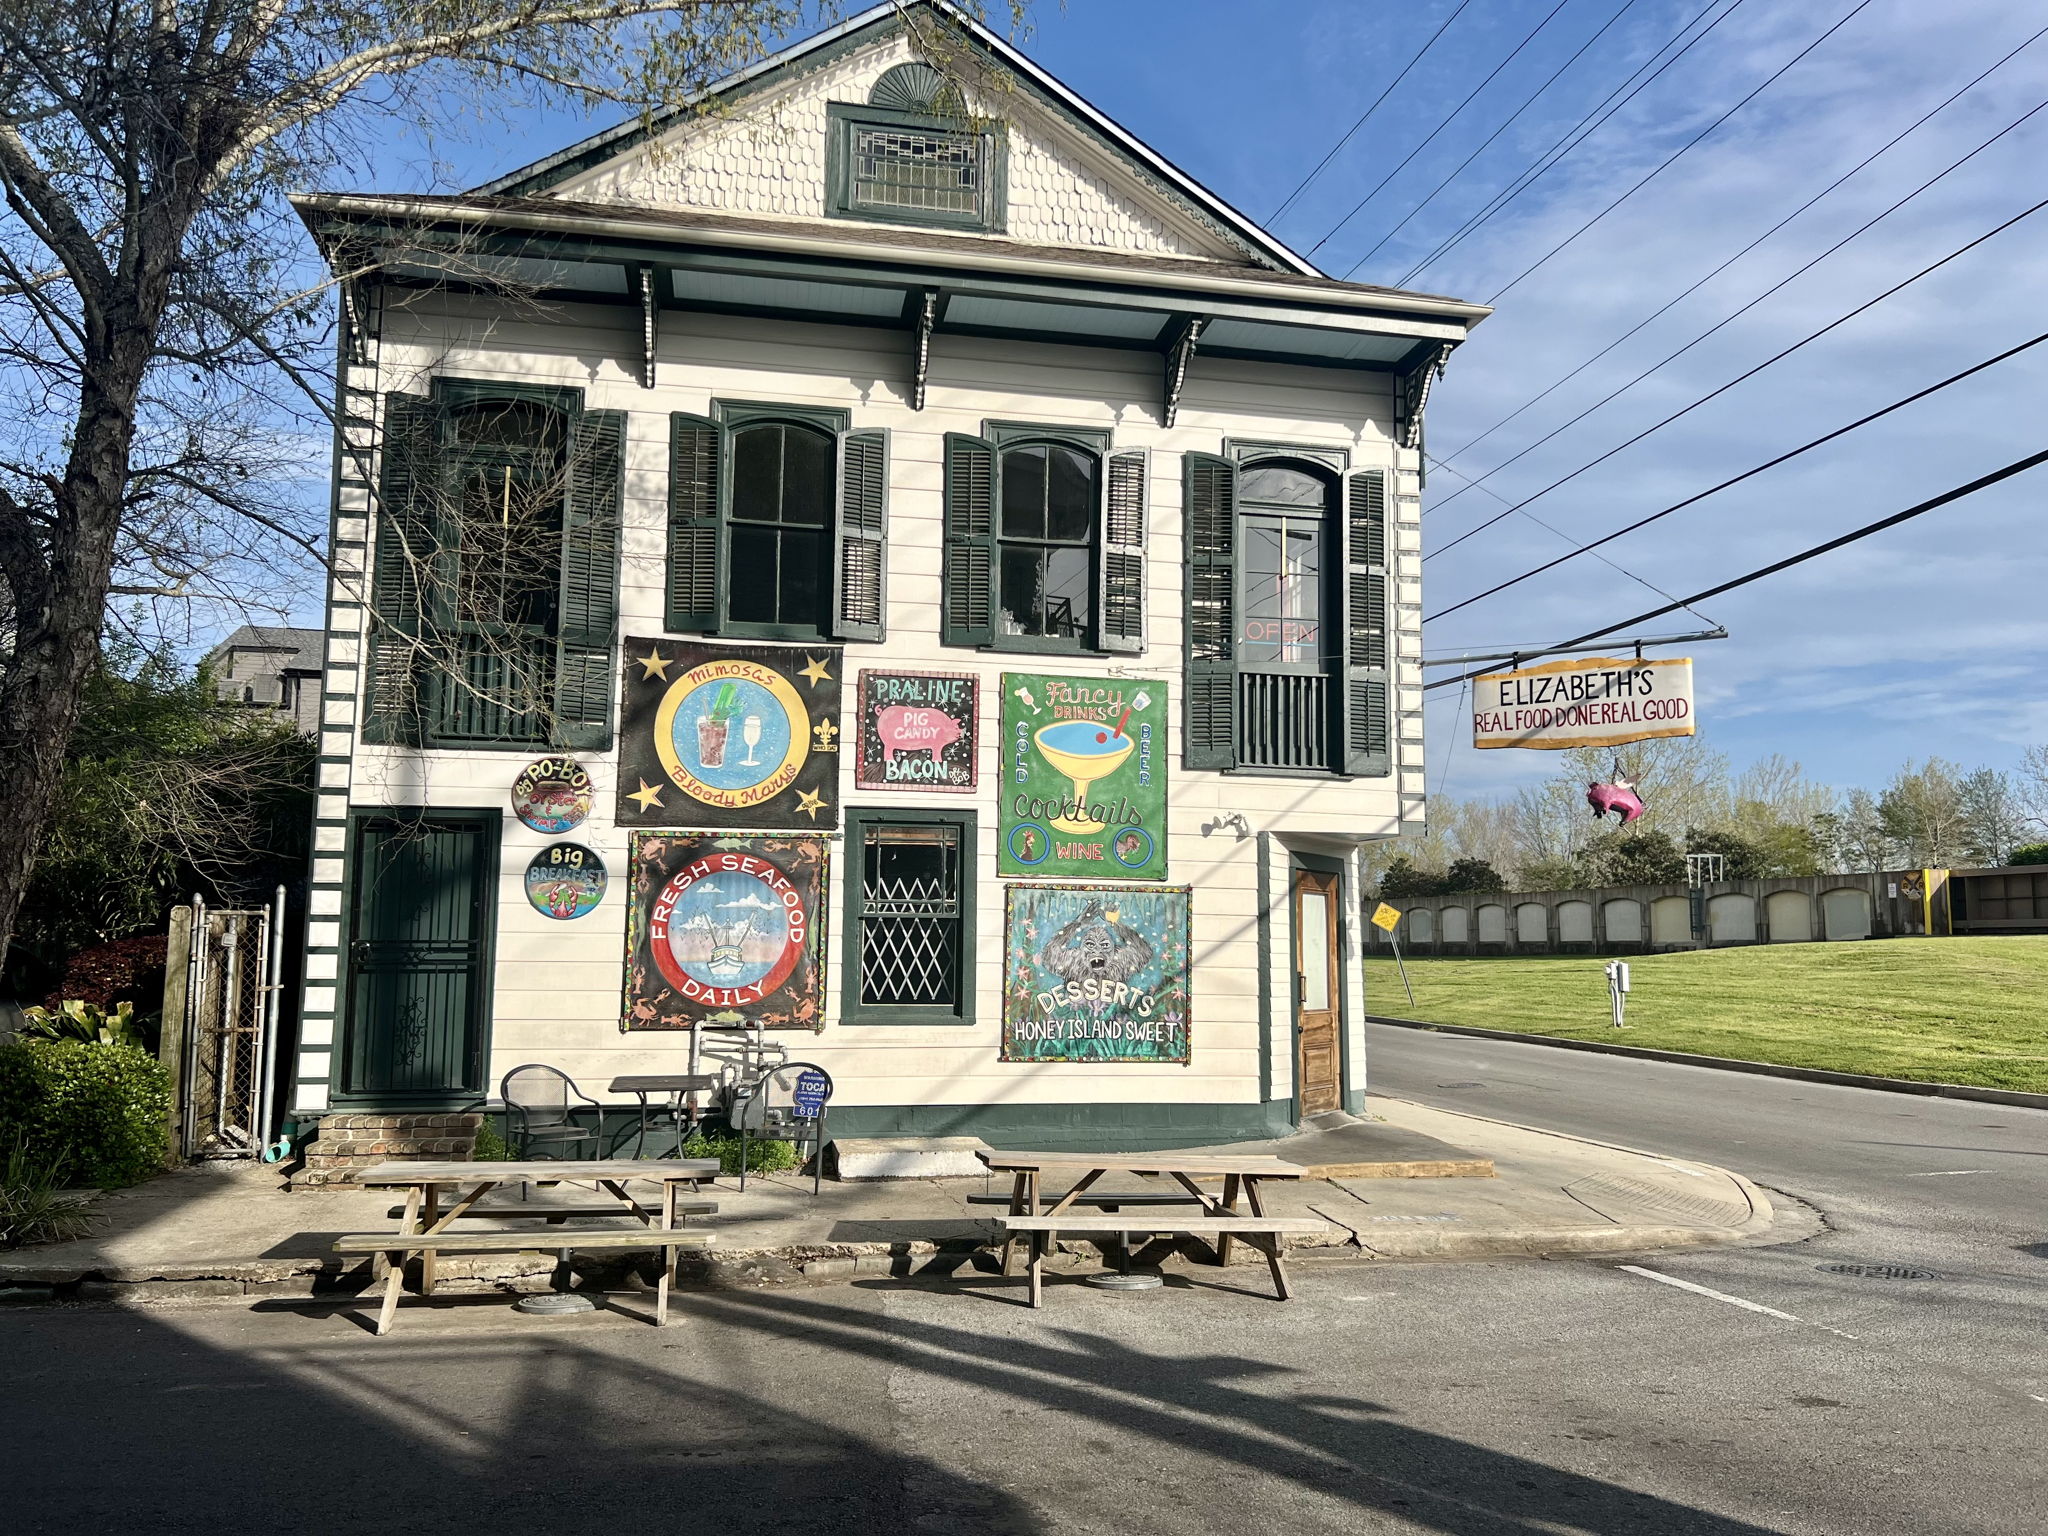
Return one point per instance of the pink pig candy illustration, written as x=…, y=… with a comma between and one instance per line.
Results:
x=906, y=729
x=1619, y=797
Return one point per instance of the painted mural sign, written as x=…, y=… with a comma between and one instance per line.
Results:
x=1084, y=777
x=1096, y=973
x=565, y=880
x=726, y=931
x=552, y=794
x=729, y=735
x=1590, y=701
x=916, y=731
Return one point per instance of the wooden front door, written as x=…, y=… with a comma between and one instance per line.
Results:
x=419, y=948
x=1317, y=987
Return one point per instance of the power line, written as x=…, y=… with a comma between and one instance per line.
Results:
x=1747, y=374
x=1578, y=133
x=1549, y=16
x=1982, y=482
x=1528, y=102
x=1383, y=95
x=1671, y=303
x=1681, y=150
x=1642, y=522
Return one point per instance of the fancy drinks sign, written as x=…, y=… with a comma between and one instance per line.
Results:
x=1083, y=787
x=1596, y=701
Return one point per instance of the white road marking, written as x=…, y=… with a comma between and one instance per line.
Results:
x=1947, y=1173
x=1733, y=1301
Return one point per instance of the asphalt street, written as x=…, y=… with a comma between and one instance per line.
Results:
x=1760, y=1394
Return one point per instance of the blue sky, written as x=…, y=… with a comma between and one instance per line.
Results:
x=1927, y=639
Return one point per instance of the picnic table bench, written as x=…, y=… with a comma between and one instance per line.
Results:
x=426, y=1229
x=1241, y=1175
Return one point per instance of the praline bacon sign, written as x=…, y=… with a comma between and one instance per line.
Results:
x=1595, y=701
x=725, y=930
x=916, y=731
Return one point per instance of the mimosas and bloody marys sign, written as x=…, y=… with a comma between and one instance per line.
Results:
x=1083, y=777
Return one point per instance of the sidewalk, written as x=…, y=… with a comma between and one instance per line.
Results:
x=231, y=1229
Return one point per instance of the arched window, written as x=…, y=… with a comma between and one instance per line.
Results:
x=780, y=542
x=1287, y=518
x=508, y=458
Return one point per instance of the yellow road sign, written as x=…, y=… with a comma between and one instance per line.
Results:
x=1386, y=917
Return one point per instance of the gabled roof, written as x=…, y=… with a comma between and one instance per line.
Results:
x=1160, y=174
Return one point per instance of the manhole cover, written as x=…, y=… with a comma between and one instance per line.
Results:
x=1136, y=1280
x=554, y=1304
x=1879, y=1271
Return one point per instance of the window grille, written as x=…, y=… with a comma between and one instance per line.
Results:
x=910, y=915
x=916, y=170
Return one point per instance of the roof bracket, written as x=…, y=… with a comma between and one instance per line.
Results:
x=355, y=321
x=1178, y=353
x=650, y=321
x=1411, y=393
x=927, y=317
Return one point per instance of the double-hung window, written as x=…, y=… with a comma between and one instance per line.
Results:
x=494, y=571
x=909, y=955
x=778, y=522
x=1287, y=617
x=1045, y=535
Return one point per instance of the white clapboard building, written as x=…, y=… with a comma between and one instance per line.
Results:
x=886, y=559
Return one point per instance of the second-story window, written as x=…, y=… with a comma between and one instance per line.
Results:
x=778, y=555
x=911, y=154
x=1044, y=541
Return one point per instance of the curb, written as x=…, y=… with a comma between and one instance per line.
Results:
x=2013, y=1097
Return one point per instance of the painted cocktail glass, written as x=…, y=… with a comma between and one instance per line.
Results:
x=1085, y=751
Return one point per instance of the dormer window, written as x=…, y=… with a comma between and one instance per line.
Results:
x=911, y=155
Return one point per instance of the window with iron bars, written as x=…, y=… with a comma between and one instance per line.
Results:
x=910, y=911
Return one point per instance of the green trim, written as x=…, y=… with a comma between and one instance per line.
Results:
x=1243, y=449
x=991, y=204
x=1053, y=1127
x=733, y=414
x=1008, y=434
x=1265, y=853
x=851, y=1010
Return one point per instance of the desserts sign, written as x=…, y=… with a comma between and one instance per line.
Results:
x=729, y=736
x=1084, y=777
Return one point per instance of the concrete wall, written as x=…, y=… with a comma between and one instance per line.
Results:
x=1636, y=919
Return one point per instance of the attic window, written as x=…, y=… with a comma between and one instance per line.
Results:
x=911, y=155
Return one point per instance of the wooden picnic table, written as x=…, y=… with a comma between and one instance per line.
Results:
x=1241, y=1175
x=424, y=1217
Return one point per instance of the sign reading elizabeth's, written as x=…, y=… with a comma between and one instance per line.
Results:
x=916, y=731
x=725, y=930
x=729, y=735
x=1096, y=973
x=1597, y=701
x=1083, y=777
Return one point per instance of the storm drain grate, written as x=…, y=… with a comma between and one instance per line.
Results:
x=1879, y=1271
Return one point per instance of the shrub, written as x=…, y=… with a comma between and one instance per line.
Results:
x=103, y=1110
x=1473, y=875
x=127, y=970
x=77, y=1020
x=2028, y=853
x=490, y=1146
x=762, y=1156
x=34, y=1206
x=1401, y=878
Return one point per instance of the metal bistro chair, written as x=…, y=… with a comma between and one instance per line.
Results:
x=539, y=1099
x=786, y=1104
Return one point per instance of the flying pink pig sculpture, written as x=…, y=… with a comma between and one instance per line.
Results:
x=1618, y=796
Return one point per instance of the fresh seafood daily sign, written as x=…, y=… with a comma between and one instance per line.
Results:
x=1083, y=787
x=1593, y=701
x=729, y=736
x=1096, y=973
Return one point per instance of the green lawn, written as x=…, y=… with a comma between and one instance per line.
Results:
x=1963, y=1010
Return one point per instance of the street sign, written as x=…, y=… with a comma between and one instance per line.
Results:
x=1385, y=917
x=812, y=1089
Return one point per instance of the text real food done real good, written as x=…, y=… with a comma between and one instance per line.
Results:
x=1597, y=701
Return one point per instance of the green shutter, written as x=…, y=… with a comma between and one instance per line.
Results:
x=1209, y=505
x=968, y=602
x=404, y=553
x=1121, y=573
x=587, y=622
x=860, y=570
x=1367, y=629
x=696, y=531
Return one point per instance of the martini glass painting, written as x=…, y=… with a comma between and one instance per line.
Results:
x=1085, y=751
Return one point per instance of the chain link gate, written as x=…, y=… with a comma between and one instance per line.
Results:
x=233, y=979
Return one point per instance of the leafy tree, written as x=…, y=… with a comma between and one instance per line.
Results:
x=150, y=318
x=1921, y=811
x=1862, y=846
x=1741, y=859
x=1472, y=875
x=1550, y=875
x=1634, y=857
x=1992, y=818
x=1402, y=878
x=2028, y=853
